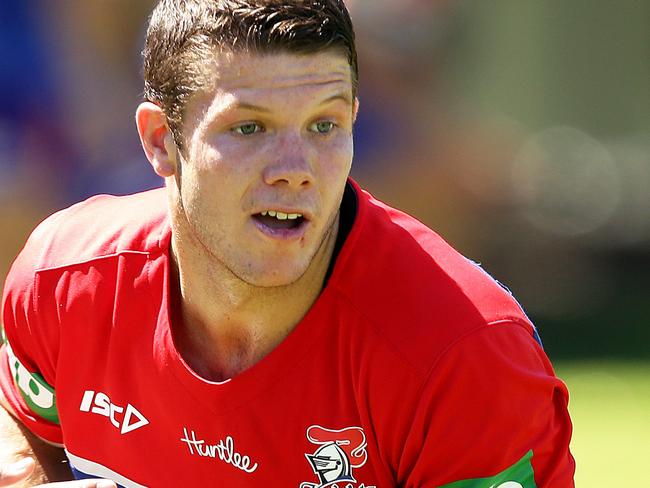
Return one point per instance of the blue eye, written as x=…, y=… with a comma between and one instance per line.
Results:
x=323, y=127
x=248, y=129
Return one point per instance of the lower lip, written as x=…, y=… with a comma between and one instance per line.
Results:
x=282, y=234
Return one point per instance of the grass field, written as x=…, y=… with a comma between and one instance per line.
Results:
x=610, y=408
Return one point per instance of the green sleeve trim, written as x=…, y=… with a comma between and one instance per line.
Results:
x=519, y=475
x=37, y=393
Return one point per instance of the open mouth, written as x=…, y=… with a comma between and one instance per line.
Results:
x=279, y=220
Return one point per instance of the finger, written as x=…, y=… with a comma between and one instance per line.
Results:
x=14, y=472
x=80, y=484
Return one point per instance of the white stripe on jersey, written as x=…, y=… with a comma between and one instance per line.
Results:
x=94, y=469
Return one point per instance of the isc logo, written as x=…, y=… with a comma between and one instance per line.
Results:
x=101, y=404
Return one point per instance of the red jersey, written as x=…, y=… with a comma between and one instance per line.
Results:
x=412, y=369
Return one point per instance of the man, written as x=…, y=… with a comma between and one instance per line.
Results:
x=263, y=321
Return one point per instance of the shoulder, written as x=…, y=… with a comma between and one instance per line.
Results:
x=103, y=225
x=415, y=291
x=100, y=226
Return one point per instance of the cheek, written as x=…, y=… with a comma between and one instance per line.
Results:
x=217, y=170
x=336, y=158
x=205, y=157
x=335, y=165
x=232, y=160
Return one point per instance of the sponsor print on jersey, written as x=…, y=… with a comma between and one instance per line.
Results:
x=224, y=451
x=519, y=475
x=125, y=419
x=339, y=453
x=38, y=395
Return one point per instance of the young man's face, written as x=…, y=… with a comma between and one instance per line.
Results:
x=269, y=148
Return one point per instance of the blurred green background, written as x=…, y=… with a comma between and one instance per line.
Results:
x=610, y=405
x=518, y=129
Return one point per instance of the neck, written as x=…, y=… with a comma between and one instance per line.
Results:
x=224, y=325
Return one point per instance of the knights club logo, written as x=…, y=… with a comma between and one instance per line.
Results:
x=339, y=452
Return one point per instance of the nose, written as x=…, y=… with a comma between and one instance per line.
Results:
x=290, y=163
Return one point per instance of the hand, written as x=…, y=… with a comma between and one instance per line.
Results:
x=19, y=471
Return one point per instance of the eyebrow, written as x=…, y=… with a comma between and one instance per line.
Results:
x=258, y=108
x=250, y=106
x=339, y=96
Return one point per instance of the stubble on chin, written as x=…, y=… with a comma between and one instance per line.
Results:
x=198, y=251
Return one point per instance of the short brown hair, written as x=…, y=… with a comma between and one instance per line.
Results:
x=182, y=34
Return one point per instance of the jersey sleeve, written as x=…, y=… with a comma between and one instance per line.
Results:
x=28, y=352
x=492, y=414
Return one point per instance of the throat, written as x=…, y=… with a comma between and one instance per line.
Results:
x=221, y=357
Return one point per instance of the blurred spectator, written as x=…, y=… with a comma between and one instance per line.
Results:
x=36, y=159
x=33, y=146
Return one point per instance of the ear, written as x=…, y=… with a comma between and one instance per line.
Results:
x=355, y=109
x=156, y=139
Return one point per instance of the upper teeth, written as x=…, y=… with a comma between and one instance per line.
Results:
x=281, y=215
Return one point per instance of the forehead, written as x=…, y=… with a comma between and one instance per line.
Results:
x=269, y=73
